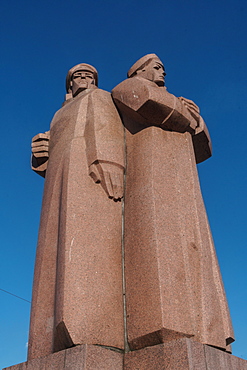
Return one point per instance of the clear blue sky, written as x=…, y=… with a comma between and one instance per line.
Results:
x=203, y=47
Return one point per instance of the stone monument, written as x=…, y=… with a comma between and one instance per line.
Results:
x=167, y=309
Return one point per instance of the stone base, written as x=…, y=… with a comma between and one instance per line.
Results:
x=184, y=354
x=76, y=358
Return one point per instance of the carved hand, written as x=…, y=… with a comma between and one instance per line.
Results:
x=40, y=146
x=192, y=108
x=110, y=176
x=40, y=153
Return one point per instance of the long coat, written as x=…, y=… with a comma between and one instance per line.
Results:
x=77, y=291
x=173, y=282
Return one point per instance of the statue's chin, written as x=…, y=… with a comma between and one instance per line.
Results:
x=160, y=83
x=79, y=90
x=82, y=87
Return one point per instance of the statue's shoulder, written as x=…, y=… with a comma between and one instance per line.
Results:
x=134, y=88
x=99, y=92
x=128, y=84
x=134, y=92
x=101, y=98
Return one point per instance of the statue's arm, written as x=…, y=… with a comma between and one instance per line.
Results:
x=148, y=104
x=104, y=136
x=202, y=142
x=200, y=138
x=40, y=153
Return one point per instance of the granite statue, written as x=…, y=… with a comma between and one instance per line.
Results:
x=173, y=282
x=77, y=291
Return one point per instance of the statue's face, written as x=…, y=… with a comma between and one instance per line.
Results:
x=155, y=72
x=81, y=80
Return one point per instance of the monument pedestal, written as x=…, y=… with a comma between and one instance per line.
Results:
x=84, y=356
x=184, y=354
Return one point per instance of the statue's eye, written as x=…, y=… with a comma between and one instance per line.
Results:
x=157, y=67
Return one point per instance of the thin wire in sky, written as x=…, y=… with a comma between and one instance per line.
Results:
x=15, y=295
